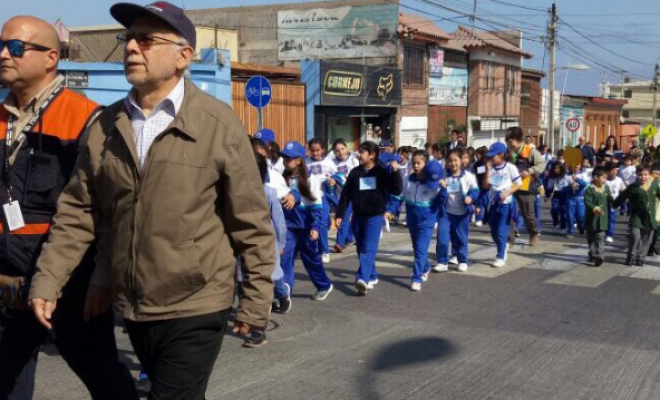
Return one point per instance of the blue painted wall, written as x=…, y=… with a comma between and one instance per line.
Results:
x=107, y=82
x=310, y=75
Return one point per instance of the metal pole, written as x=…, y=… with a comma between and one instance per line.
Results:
x=656, y=75
x=260, y=120
x=553, y=67
x=474, y=15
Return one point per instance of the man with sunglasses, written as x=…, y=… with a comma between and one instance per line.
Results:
x=169, y=173
x=40, y=122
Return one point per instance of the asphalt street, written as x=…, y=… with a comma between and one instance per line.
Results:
x=547, y=326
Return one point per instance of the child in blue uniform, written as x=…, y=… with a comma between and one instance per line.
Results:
x=344, y=162
x=367, y=188
x=574, y=194
x=454, y=216
x=554, y=189
x=303, y=221
x=322, y=168
x=423, y=196
x=503, y=180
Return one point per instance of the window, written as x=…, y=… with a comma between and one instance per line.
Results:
x=414, y=66
x=510, y=80
x=627, y=94
x=490, y=75
x=657, y=114
x=625, y=113
x=525, y=94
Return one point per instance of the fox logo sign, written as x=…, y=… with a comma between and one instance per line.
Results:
x=385, y=86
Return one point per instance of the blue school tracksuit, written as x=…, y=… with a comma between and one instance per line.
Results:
x=555, y=188
x=300, y=221
x=575, y=208
x=454, y=217
x=500, y=213
x=333, y=193
x=322, y=170
x=423, y=200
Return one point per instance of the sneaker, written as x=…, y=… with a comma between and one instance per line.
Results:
x=372, y=284
x=361, y=287
x=478, y=223
x=598, y=261
x=322, y=294
x=285, y=303
x=640, y=262
x=555, y=229
x=609, y=239
x=256, y=339
x=506, y=252
x=275, y=306
x=325, y=258
x=416, y=287
x=628, y=262
x=517, y=234
x=569, y=236
x=338, y=249
x=563, y=231
x=499, y=263
x=462, y=267
x=453, y=260
x=441, y=268
x=425, y=276
x=534, y=240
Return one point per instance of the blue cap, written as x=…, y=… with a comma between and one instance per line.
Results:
x=497, y=148
x=266, y=135
x=433, y=171
x=387, y=158
x=385, y=143
x=293, y=149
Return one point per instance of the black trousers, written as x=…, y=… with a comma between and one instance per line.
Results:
x=525, y=201
x=178, y=354
x=88, y=347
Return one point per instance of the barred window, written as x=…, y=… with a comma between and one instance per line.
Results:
x=414, y=66
x=490, y=75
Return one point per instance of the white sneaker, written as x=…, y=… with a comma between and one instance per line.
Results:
x=361, y=287
x=441, y=268
x=325, y=258
x=506, y=252
x=609, y=239
x=478, y=223
x=453, y=260
x=472, y=219
x=499, y=263
x=425, y=276
x=372, y=284
x=462, y=267
x=416, y=287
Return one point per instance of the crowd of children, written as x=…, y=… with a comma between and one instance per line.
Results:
x=443, y=190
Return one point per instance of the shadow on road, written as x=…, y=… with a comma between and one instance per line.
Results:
x=402, y=355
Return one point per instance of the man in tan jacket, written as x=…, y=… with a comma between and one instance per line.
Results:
x=167, y=179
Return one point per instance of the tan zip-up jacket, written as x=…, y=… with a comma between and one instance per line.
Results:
x=170, y=232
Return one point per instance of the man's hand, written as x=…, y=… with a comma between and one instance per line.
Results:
x=289, y=202
x=394, y=165
x=338, y=222
x=468, y=200
x=314, y=235
x=524, y=174
x=241, y=328
x=99, y=300
x=443, y=183
x=43, y=311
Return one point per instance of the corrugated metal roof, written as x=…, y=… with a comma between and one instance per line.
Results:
x=475, y=38
x=96, y=46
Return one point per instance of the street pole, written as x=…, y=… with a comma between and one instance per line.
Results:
x=552, y=30
x=656, y=76
x=622, y=83
x=474, y=15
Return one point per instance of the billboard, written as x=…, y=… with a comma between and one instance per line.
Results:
x=344, y=84
x=344, y=32
x=451, y=89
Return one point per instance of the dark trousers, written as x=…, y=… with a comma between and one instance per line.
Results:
x=178, y=354
x=88, y=347
x=525, y=201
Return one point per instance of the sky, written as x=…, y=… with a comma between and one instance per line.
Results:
x=607, y=35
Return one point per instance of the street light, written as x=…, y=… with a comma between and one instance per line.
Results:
x=567, y=68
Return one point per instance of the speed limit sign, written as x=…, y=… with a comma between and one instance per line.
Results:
x=573, y=124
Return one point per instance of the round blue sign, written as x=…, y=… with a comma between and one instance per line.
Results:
x=258, y=91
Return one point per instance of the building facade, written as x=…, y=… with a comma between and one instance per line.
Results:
x=530, y=105
x=639, y=95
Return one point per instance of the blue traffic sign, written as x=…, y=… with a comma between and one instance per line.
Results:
x=258, y=91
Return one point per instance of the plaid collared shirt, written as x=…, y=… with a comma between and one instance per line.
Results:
x=147, y=128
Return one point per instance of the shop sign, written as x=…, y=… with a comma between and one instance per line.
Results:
x=347, y=84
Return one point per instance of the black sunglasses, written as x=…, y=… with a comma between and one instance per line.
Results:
x=17, y=47
x=143, y=40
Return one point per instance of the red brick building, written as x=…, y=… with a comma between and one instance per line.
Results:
x=530, y=103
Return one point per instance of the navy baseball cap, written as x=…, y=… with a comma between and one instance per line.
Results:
x=385, y=143
x=127, y=13
x=497, y=148
x=293, y=149
x=266, y=135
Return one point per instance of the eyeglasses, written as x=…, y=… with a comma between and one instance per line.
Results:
x=145, y=41
x=17, y=47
